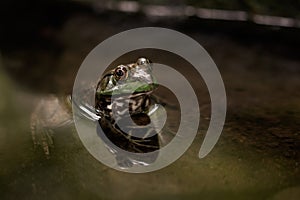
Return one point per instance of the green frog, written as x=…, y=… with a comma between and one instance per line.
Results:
x=128, y=90
x=123, y=94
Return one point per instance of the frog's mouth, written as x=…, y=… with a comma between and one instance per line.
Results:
x=130, y=88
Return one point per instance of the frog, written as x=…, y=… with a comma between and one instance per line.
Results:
x=132, y=86
x=128, y=89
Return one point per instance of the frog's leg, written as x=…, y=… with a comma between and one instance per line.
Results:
x=123, y=161
x=156, y=99
x=165, y=135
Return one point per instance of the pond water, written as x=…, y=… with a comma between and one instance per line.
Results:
x=257, y=156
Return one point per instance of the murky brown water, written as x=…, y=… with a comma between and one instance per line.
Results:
x=257, y=156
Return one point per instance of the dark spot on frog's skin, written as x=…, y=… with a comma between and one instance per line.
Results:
x=141, y=119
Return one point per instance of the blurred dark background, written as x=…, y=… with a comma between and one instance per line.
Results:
x=34, y=30
x=255, y=44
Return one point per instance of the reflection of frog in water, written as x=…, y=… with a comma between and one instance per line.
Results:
x=131, y=86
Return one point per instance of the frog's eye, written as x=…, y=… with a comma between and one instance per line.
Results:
x=120, y=72
x=143, y=61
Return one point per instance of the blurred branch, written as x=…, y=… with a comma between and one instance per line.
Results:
x=184, y=11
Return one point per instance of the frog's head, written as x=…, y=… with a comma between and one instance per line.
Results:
x=130, y=78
